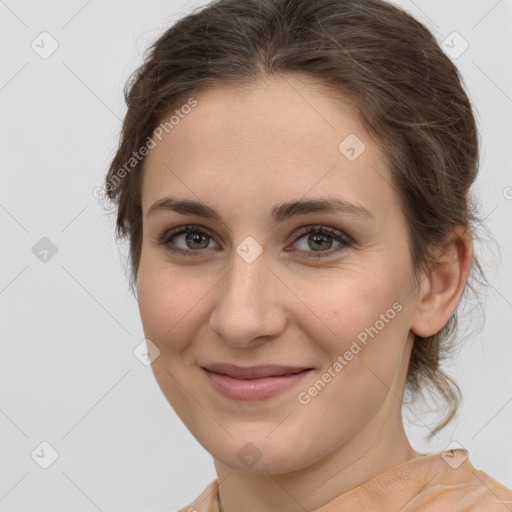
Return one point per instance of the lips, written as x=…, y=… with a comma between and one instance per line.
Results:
x=253, y=384
x=253, y=372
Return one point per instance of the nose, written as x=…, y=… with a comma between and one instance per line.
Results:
x=248, y=303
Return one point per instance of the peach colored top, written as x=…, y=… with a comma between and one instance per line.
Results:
x=438, y=482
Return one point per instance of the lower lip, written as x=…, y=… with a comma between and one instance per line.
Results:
x=252, y=389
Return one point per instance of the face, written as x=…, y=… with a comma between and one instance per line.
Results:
x=253, y=285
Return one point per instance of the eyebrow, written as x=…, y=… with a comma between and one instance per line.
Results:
x=279, y=213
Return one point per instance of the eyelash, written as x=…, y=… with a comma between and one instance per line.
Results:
x=344, y=240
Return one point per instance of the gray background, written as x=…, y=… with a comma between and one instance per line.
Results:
x=68, y=375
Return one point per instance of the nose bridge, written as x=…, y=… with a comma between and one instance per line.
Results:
x=245, y=281
x=245, y=305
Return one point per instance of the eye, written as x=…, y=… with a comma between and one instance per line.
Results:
x=320, y=239
x=193, y=239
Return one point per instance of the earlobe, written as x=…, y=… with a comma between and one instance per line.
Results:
x=441, y=290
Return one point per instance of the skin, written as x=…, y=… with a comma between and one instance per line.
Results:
x=243, y=150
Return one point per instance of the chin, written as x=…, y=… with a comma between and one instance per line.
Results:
x=253, y=454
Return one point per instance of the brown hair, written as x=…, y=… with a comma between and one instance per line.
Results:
x=407, y=92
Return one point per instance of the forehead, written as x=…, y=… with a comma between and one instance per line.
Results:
x=281, y=108
x=286, y=133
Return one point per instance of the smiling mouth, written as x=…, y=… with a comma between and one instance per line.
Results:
x=254, y=387
x=254, y=372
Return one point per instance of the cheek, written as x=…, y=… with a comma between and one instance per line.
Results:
x=361, y=323
x=168, y=304
x=342, y=305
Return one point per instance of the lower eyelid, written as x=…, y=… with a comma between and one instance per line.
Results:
x=343, y=244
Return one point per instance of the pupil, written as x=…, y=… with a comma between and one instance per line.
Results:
x=316, y=237
x=196, y=238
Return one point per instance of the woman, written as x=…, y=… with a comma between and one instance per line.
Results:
x=294, y=180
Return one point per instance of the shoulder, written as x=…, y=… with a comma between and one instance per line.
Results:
x=484, y=494
x=463, y=489
x=206, y=501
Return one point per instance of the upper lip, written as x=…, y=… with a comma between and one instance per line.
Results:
x=253, y=372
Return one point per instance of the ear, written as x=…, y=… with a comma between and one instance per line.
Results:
x=441, y=290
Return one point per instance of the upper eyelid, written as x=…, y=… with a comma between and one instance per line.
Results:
x=321, y=227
